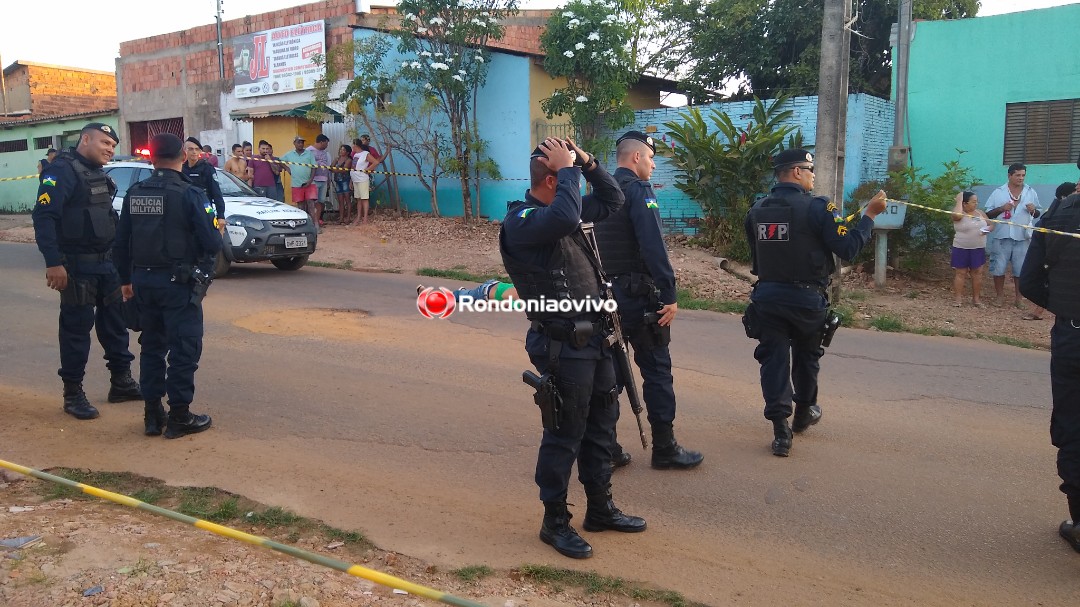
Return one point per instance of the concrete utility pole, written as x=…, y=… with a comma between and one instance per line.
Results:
x=832, y=108
x=220, y=48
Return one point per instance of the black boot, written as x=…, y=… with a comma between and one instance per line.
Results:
x=805, y=416
x=1070, y=530
x=667, y=453
x=619, y=457
x=75, y=403
x=154, y=417
x=781, y=444
x=123, y=387
x=602, y=515
x=557, y=532
x=184, y=422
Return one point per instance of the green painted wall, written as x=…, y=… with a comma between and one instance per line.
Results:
x=962, y=74
x=20, y=194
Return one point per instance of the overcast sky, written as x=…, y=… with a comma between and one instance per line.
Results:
x=79, y=33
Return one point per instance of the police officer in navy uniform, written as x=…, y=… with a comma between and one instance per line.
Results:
x=549, y=257
x=793, y=236
x=75, y=224
x=635, y=258
x=199, y=171
x=1050, y=278
x=165, y=251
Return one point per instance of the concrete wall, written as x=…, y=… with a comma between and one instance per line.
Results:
x=869, y=134
x=17, y=88
x=964, y=72
x=21, y=194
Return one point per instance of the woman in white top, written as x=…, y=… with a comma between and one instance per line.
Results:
x=969, y=246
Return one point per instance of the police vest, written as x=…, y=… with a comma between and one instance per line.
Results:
x=88, y=221
x=619, y=248
x=161, y=230
x=1063, y=259
x=569, y=275
x=786, y=248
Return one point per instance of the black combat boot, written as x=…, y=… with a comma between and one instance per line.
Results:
x=557, y=532
x=619, y=457
x=805, y=416
x=781, y=444
x=1070, y=530
x=602, y=515
x=183, y=422
x=154, y=417
x=75, y=403
x=667, y=453
x=123, y=387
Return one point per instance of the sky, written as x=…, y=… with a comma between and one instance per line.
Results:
x=79, y=33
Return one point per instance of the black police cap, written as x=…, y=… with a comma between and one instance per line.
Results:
x=638, y=136
x=166, y=145
x=791, y=157
x=104, y=128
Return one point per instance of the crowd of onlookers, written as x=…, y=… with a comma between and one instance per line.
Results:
x=318, y=182
x=997, y=236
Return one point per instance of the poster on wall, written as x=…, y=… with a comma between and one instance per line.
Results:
x=278, y=60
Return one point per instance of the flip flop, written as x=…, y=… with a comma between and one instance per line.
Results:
x=1030, y=316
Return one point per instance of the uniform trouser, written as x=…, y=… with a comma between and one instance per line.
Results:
x=172, y=327
x=92, y=301
x=653, y=361
x=586, y=428
x=789, y=351
x=1065, y=419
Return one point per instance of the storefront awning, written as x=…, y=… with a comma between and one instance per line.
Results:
x=288, y=111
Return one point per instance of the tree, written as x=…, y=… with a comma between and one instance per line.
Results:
x=586, y=42
x=767, y=47
x=445, y=42
x=724, y=167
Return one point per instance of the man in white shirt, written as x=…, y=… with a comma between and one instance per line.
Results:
x=1018, y=204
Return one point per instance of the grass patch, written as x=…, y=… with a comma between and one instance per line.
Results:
x=117, y=482
x=150, y=495
x=593, y=583
x=273, y=517
x=349, y=537
x=687, y=301
x=471, y=573
x=1007, y=341
x=889, y=324
x=855, y=295
x=846, y=314
x=457, y=273
x=208, y=503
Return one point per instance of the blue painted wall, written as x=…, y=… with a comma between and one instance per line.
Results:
x=869, y=135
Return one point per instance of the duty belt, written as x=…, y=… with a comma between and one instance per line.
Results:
x=567, y=330
x=88, y=257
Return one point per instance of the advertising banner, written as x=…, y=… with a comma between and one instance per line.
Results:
x=278, y=60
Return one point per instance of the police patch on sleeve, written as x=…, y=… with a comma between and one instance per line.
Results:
x=209, y=208
x=525, y=212
x=831, y=207
x=650, y=203
x=49, y=181
x=841, y=230
x=44, y=199
x=147, y=205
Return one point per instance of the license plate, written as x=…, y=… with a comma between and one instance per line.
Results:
x=296, y=242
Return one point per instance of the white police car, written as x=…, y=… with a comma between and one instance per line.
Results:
x=257, y=228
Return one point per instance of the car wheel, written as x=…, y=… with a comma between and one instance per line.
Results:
x=290, y=263
x=221, y=265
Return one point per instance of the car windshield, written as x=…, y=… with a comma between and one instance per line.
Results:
x=232, y=186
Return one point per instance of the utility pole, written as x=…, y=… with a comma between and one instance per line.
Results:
x=3, y=86
x=220, y=48
x=832, y=108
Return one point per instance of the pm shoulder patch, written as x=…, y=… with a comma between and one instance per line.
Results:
x=841, y=230
x=831, y=207
x=525, y=212
x=44, y=199
x=49, y=181
x=650, y=203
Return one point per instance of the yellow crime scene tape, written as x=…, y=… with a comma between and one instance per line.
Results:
x=1000, y=221
x=18, y=178
x=351, y=569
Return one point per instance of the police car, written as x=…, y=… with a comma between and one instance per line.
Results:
x=257, y=228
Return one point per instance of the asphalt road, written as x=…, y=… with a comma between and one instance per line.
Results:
x=930, y=480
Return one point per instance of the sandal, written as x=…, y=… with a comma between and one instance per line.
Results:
x=1031, y=316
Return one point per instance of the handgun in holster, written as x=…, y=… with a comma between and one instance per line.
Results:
x=547, y=398
x=832, y=323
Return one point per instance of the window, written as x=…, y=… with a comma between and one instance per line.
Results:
x=122, y=177
x=1042, y=132
x=13, y=145
x=42, y=143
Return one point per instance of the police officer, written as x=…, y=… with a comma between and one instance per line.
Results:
x=74, y=224
x=199, y=171
x=165, y=251
x=635, y=258
x=547, y=255
x=1050, y=278
x=793, y=236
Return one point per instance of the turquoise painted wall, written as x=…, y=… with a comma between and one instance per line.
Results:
x=962, y=74
x=503, y=115
x=20, y=194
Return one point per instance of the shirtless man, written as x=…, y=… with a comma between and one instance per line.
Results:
x=237, y=165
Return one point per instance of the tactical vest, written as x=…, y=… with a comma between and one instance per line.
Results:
x=1063, y=259
x=569, y=275
x=88, y=221
x=161, y=232
x=619, y=248
x=786, y=248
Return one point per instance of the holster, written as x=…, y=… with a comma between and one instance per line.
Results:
x=751, y=322
x=131, y=312
x=650, y=334
x=79, y=292
x=546, y=397
x=832, y=323
x=198, y=292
